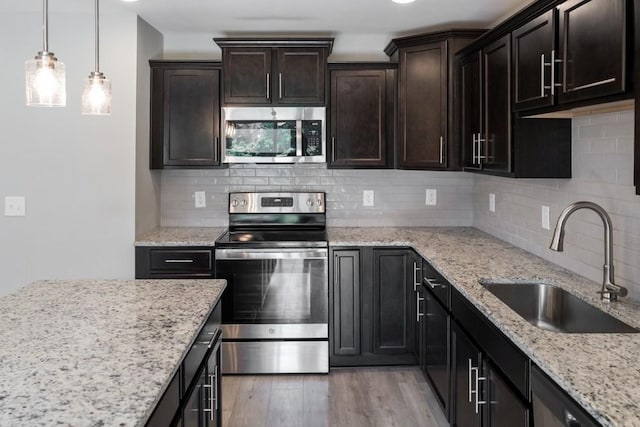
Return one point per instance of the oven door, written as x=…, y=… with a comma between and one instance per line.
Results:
x=274, y=293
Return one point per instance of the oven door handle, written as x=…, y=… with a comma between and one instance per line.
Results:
x=244, y=254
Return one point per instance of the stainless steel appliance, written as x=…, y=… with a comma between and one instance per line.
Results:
x=273, y=135
x=275, y=308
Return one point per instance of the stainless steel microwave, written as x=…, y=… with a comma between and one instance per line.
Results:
x=273, y=135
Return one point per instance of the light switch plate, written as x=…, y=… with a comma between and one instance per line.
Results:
x=431, y=197
x=545, y=218
x=201, y=199
x=492, y=202
x=368, y=198
x=14, y=206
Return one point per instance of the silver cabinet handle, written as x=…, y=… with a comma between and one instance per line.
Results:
x=418, y=314
x=268, y=85
x=552, y=64
x=210, y=342
x=441, y=150
x=480, y=141
x=416, y=281
x=469, y=383
x=473, y=158
x=570, y=420
x=433, y=283
x=213, y=395
x=542, y=85
x=178, y=261
x=476, y=391
x=280, y=85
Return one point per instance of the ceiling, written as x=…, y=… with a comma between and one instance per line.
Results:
x=283, y=17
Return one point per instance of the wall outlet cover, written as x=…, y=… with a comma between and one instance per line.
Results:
x=14, y=206
x=431, y=197
x=545, y=218
x=492, y=202
x=200, y=199
x=368, y=197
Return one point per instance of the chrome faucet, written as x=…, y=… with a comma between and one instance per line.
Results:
x=610, y=291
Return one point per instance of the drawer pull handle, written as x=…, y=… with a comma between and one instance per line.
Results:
x=210, y=342
x=178, y=261
x=433, y=283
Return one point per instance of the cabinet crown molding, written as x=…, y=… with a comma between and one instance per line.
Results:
x=419, y=39
x=325, y=42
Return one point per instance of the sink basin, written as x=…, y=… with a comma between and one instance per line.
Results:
x=552, y=308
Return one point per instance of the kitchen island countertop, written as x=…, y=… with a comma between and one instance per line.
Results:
x=87, y=353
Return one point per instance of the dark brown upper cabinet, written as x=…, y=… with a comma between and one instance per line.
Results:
x=427, y=98
x=274, y=71
x=361, y=115
x=533, y=61
x=572, y=55
x=493, y=140
x=593, y=49
x=185, y=114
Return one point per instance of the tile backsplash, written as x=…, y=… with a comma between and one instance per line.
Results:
x=602, y=157
x=399, y=198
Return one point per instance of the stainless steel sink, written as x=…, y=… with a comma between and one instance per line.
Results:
x=552, y=308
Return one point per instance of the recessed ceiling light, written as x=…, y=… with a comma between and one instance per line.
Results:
x=403, y=1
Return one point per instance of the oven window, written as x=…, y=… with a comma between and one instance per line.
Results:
x=246, y=138
x=275, y=291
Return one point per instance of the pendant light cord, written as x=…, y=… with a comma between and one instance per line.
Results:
x=97, y=36
x=45, y=25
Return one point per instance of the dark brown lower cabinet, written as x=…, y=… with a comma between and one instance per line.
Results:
x=435, y=331
x=369, y=319
x=204, y=402
x=482, y=396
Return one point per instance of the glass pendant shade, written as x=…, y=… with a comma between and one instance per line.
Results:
x=45, y=81
x=96, y=95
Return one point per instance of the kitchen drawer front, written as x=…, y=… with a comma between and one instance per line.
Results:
x=437, y=284
x=207, y=338
x=511, y=361
x=175, y=262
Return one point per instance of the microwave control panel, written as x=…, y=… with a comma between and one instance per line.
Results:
x=312, y=138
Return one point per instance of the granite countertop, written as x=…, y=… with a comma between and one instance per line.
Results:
x=600, y=371
x=90, y=353
x=181, y=236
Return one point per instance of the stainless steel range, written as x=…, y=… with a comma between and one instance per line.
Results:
x=275, y=307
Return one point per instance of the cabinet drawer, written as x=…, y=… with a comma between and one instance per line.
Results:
x=207, y=337
x=180, y=259
x=438, y=285
x=175, y=262
x=513, y=363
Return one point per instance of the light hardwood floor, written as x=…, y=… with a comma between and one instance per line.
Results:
x=368, y=397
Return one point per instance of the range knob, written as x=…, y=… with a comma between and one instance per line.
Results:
x=234, y=203
x=309, y=202
x=243, y=203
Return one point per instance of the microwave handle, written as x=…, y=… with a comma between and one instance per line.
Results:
x=299, y=138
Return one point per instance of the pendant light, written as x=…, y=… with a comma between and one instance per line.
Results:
x=44, y=75
x=96, y=95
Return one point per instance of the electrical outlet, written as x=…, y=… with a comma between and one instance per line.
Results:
x=492, y=202
x=14, y=206
x=368, y=198
x=201, y=199
x=545, y=218
x=431, y=197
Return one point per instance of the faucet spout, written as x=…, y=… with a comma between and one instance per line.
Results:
x=610, y=291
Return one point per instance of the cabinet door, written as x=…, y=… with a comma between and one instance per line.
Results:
x=185, y=128
x=436, y=343
x=533, y=48
x=465, y=358
x=247, y=76
x=504, y=407
x=593, y=46
x=391, y=297
x=358, y=111
x=301, y=75
x=496, y=143
x=471, y=109
x=193, y=412
x=346, y=302
x=423, y=107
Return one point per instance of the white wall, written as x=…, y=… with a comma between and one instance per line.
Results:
x=150, y=46
x=77, y=172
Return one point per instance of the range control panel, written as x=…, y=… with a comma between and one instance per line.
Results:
x=276, y=203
